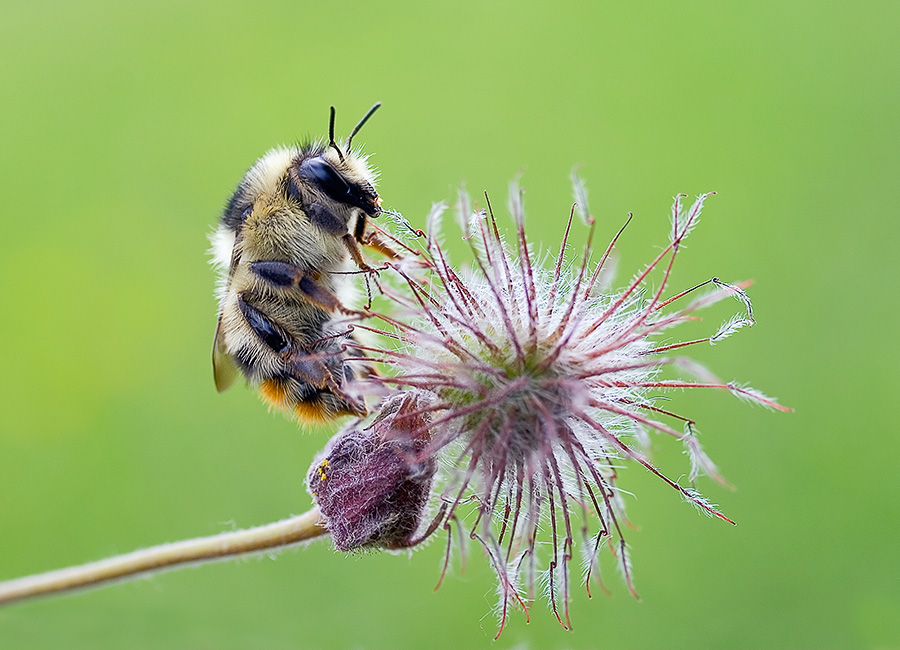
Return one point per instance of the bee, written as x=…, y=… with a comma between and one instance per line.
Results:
x=285, y=246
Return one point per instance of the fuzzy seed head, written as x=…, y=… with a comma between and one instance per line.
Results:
x=535, y=386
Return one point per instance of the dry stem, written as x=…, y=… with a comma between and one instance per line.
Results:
x=276, y=535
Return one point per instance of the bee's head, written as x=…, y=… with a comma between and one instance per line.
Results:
x=315, y=172
x=341, y=173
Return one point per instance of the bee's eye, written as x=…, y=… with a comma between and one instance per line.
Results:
x=325, y=177
x=319, y=172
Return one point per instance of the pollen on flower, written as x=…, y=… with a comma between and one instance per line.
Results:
x=536, y=386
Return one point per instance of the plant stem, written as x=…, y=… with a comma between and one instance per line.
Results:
x=276, y=535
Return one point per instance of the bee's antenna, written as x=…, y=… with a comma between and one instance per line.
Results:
x=365, y=119
x=331, y=142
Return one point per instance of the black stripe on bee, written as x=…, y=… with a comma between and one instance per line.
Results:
x=238, y=209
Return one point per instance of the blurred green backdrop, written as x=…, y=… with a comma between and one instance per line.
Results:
x=125, y=128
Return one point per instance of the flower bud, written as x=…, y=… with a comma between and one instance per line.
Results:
x=372, y=483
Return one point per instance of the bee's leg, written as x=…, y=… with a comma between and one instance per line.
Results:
x=267, y=331
x=375, y=241
x=370, y=238
x=362, y=369
x=311, y=369
x=287, y=275
x=356, y=252
x=322, y=217
x=310, y=381
x=325, y=370
x=357, y=256
x=279, y=274
x=359, y=230
x=347, y=337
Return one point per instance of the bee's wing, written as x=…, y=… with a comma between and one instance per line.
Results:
x=224, y=368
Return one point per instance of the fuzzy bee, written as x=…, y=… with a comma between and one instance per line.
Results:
x=285, y=245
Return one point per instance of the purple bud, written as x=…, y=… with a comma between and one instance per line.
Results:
x=372, y=484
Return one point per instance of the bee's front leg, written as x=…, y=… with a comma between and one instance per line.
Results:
x=356, y=252
x=287, y=275
x=376, y=242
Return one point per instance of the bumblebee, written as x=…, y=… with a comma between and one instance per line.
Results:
x=285, y=246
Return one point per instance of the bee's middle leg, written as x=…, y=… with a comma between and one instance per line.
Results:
x=287, y=275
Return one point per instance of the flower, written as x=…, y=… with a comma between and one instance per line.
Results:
x=534, y=386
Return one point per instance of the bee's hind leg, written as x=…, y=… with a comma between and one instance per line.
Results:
x=267, y=331
x=322, y=375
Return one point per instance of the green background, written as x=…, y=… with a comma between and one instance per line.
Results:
x=123, y=129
